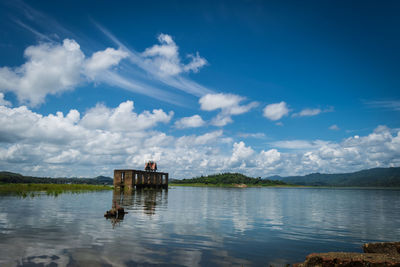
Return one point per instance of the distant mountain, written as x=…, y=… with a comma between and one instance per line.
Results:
x=380, y=177
x=104, y=179
x=10, y=177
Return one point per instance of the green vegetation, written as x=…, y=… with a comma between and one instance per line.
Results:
x=377, y=177
x=10, y=177
x=25, y=190
x=227, y=180
x=17, y=184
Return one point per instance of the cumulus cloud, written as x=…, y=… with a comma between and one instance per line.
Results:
x=219, y=101
x=37, y=140
x=102, y=138
x=190, y=122
x=123, y=118
x=206, y=138
x=165, y=58
x=229, y=104
x=52, y=68
x=221, y=119
x=378, y=149
x=269, y=157
x=276, y=111
x=240, y=155
x=103, y=60
x=22, y=124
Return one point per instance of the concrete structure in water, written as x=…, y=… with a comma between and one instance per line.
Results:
x=140, y=179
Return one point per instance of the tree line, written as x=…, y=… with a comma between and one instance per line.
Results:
x=15, y=178
x=228, y=178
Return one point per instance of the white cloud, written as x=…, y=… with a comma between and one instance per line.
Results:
x=206, y=138
x=252, y=135
x=4, y=102
x=165, y=58
x=50, y=69
x=229, y=104
x=307, y=112
x=240, y=155
x=221, y=119
x=154, y=58
x=334, y=127
x=195, y=64
x=53, y=68
x=219, y=101
x=190, y=122
x=123, y=118
x=22, y=124
x=104, y=138
x=161, y=63
x=269, y=157
x=276, y=111
x=103, y=60
x=191, y=140
x=298, y=144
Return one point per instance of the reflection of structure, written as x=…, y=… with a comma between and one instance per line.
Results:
x=140, y=179
x=134, y=200
x=115, y=214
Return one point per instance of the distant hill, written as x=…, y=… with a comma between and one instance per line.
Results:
x=228, y=179
x=379, y=177
x=10, y=177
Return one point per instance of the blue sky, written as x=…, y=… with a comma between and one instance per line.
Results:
x=262, y=88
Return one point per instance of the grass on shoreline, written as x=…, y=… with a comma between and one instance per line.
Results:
x=50, y=189
x=229, y=185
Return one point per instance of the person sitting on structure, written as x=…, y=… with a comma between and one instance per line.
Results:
x=150, y=166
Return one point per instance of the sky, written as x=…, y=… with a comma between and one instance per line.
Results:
x=257, y=87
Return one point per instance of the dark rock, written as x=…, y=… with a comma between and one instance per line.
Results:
x=111, y=213
x=391, y=248
x=334, y=259
x=121, y=210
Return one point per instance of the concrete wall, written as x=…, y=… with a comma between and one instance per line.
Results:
x=138, y=179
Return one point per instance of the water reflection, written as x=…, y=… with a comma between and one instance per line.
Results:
x=193, y=226
x=134, y=200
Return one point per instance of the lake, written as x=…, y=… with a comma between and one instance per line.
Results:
x=194, y=226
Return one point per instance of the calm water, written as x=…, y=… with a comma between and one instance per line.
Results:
x=194, y=226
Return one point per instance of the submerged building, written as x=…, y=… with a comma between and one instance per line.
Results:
x=149, y=178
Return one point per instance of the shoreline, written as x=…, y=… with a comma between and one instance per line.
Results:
x=284, y=186
x=230, y=185
x=374, y=254
x=51, y=189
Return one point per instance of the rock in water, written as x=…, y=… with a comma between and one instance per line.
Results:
x=376, y=255
x=391, y=248
x=350, y=259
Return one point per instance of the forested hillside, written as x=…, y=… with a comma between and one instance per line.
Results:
x=228, y=179
x=380, y=177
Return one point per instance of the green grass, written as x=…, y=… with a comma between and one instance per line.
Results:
x=229, y=185
x=31, y=190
